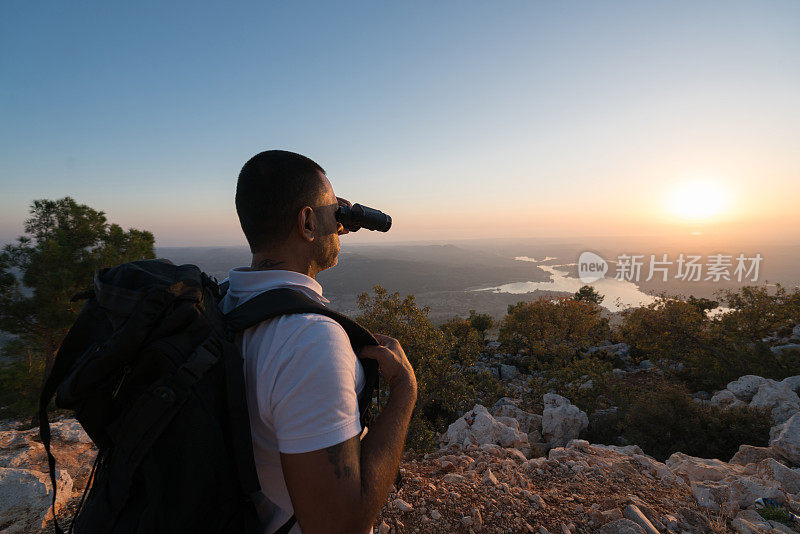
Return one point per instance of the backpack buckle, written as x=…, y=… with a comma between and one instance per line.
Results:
x=195, y=367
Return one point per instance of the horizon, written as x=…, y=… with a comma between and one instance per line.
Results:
x=469, y=122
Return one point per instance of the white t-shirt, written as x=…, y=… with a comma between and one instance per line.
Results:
x=302, y=383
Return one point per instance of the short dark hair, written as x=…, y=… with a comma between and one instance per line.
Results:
x=273, y=186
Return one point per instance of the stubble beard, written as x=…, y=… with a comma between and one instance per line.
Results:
x=327, y=251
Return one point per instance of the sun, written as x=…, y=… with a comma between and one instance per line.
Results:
x=698, y=200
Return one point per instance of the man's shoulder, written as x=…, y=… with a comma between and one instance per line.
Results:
x=312, y=328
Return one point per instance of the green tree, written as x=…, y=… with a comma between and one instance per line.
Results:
x=589, y=294
x=481, y=322
x=65, y=243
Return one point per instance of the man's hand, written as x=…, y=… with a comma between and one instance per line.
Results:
x=342, y=488
x=341, y=230
x=392, y=361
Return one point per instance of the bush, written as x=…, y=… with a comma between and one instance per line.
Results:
x=758, y=311
x=577, y=373
x=20, y=385
x=664, y=419
x=715, y=351
x=552, y=331
x=441, y=358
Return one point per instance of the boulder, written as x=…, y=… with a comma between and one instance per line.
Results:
x=508, y=372
x=508, y=421
x=69, y=431
x=746, y=387
x=785, y=439
x=505, y=400
x=561, y=421
x=553, y=400
x=778, y=399
x=735, y=492
x=26, y=498
x=627, y=450
x=633, y=513
x=793, y=382
x=787, y=478
x=527, y=422
x=750, y=522
x=478, y=427
x=693, y=521
x=778, y=349
x=726, y=399
x=589, y=384
x=71, y=445
x=19, y=449
x=694, y=469
x=621, y=526
x=750, y=454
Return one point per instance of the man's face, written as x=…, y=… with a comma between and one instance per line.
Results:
x=326, y=241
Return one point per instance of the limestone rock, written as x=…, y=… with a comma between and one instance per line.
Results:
x=627, y=450
x=26, y=498
x=553, y=400
x=693, y=521
x=785, y=439
x=402, y=505
x=750, y=454
x=528, y=422
x=694, y=469
x=778, y=399
x=69, y=431
x=787, y=478
x=793, y=382
x=750, y=522
x=508, y=372
x=561, y=421
x=726, y=399
x=734, y=492
x=621, y=526
x=633, y=513
x=745, y=387
x=777, y=349
x=478, y=427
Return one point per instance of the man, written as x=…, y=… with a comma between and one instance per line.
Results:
x=302, y=376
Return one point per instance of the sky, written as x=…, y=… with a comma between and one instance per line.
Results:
x=460, y=119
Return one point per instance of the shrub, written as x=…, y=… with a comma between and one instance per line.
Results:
x=578, y=373
x=664, y=419
x=441, y=358
x=758, y=311
x=20, y=385
x=552, y=330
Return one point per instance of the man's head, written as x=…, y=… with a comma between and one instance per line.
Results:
x=286, y=206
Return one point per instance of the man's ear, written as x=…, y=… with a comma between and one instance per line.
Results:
x=307, y=223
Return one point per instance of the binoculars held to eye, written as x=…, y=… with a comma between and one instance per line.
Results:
x=357, y=216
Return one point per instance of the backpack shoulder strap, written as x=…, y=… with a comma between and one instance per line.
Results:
x=287, y=301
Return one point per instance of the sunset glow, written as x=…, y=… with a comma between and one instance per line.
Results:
x=698, y=201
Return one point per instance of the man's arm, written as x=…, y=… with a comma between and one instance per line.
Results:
x=343, y=487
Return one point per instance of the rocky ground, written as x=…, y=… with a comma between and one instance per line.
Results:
x=474, y=484
x=502, y=469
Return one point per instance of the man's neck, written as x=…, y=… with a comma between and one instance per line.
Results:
x=264, y=262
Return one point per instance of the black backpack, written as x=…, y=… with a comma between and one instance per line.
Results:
x=154, y=377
